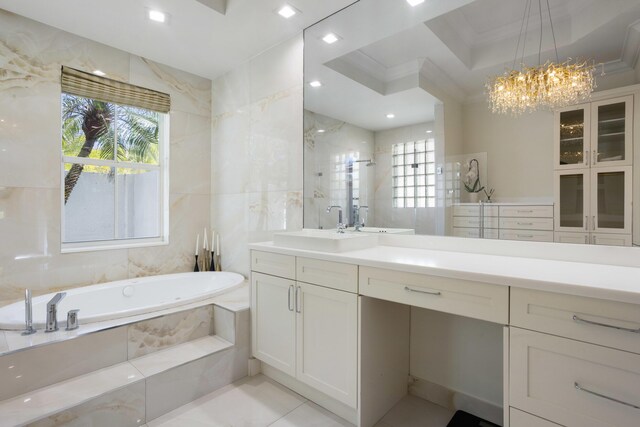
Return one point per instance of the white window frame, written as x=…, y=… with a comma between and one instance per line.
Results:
x=162, y=166
x=404, y=165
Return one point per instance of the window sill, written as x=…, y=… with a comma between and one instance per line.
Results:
x=69, y=248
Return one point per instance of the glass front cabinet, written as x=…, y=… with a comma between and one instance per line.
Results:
x=593, y=172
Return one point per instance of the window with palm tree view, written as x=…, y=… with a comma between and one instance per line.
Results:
x=112, y=171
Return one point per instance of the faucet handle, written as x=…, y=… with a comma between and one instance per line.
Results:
x=72, y=320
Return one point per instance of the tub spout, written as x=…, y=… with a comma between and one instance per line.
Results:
x=52, y=312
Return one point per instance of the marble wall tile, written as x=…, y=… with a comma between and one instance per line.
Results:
x=190, y=150
x=183, y=384
x=123, y=408
x=277, y=69
x=231, y=91
x=24, y=371
x=188, y=217
x=31, y=54
x=189, y=93
x=229, y=154
x=166, y=331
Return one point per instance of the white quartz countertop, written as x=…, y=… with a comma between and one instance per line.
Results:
x=617, y=283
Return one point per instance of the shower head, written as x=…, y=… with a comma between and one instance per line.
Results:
x=369, y=162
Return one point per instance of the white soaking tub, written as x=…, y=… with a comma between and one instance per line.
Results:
x=124, y=298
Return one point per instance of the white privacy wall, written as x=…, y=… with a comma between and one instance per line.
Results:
x=31, y=55
x=256, y=155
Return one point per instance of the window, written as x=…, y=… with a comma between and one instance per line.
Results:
x=114, y=161
x=414, y=174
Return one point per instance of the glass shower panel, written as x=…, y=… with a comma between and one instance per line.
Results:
x=611, y=132
x=572, y=200
x=610, y=198
x=572, y=137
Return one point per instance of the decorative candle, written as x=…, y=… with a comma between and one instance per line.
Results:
x=197, y=244
x=213, y=234
x=204, y=244
x=218, y=244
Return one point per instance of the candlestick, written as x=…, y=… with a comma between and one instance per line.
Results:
x=213, y=260
x=195, y=267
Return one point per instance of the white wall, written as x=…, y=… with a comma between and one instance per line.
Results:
x=256, y=156
x=519, y=151
x=30, y=180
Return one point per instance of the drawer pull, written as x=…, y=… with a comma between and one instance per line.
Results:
x=525, y=223
x=523, y=211
x=620, y=328
x=289, y=305
x=580, y=388
x=525, y=236
x=408, y=289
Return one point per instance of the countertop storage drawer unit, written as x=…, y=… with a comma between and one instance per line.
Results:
x=573, y=383
x=274, y=264
x=333, y=275
x=471, y=299
x=609, y=323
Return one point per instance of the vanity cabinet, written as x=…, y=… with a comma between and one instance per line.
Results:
x=307, y=330
x=574, y=360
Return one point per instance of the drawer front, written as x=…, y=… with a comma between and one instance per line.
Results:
x=569, y=237
x=527, y=223
x=527, y=211
x=572, y=383
x=611, y=239
x=274, y=264
x=527, y=235
x=554, y=314
x=489, y=233
x=466, y=210
x=464, y=221
x=471, y=299
x=333, y=275
x=518, y=418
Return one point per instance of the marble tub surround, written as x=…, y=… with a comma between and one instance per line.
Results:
x=31, y=56
x=130, y=389
x=256, y=155
x=234, y=301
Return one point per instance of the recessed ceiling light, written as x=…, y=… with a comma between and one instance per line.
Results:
x=330, y=38
x=156, y=15
x=287, y=11
x=99, y=73
x=320, y=130
x=315, y=83
x=390, y=116
x=414, y=3
x=429, y=131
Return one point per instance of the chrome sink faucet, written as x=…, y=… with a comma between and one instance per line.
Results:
x=52, y=312
x=341, y=226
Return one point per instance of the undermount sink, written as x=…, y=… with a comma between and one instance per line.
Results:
x=325, y=240
x=384, y=230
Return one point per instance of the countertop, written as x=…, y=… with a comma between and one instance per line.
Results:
x=610, y=282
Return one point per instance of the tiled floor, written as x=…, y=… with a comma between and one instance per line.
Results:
x=259, y=402
x=251, y=402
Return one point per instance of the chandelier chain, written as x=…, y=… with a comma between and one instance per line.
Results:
x=553, y=33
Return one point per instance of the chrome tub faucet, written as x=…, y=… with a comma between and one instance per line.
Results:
x=28, y=314
x=52, y=312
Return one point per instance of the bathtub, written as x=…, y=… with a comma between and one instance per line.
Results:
x=124, y=298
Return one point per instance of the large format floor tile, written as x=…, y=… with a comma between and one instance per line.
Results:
x=311, y=415
x=251, y=402
x=412, y=411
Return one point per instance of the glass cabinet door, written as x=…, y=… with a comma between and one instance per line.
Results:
x=572, y=200
x=611, y=130
x=572, y=137
x=611, y=200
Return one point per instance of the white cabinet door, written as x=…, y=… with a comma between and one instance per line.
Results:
x=571, y=137
x=611, y=135
x=611, y=200
x=274, y=321
x=572, y=207
x=327, y=341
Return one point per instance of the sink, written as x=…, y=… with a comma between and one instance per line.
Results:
x=384, y=230
x=325, y=240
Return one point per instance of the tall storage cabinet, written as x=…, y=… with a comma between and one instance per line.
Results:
x=593, y=172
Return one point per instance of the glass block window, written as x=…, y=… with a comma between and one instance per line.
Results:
x=414, y=174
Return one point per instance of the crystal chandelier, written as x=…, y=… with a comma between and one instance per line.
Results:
x=552, y=85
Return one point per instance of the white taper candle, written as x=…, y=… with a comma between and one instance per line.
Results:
x=197, y=243
x=204, y=244
x=218, y=244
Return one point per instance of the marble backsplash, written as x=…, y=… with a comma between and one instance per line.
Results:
x=31, y=55
x=257, y=151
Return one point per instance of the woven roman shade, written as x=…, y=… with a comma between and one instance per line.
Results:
x=80, y=83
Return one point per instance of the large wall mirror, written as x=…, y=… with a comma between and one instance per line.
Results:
x=398, y=132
